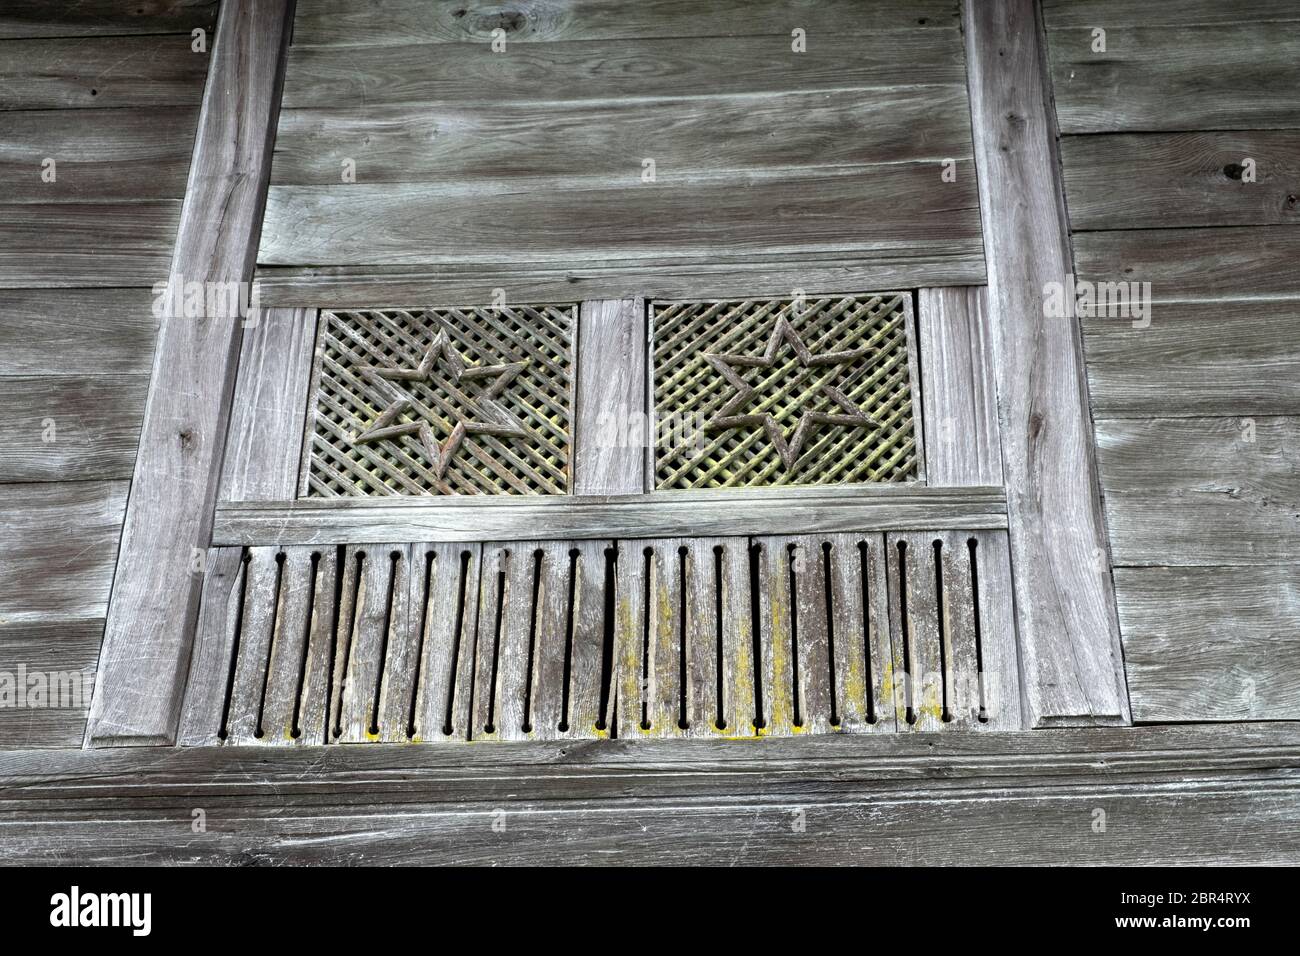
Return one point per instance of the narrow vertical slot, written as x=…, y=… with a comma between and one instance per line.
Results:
x=607, y=644
x=864, y=560
x=791, y=562
x=755, y=616
x=941, y=614
x=909, y=711
x=719, y=668
x=569, y=625
x=683, y=596
x=394, y=560
x=347, y=653
x=224, y=730
x=646, y=606
x=412, y=714
x=972, y=546
x=490, y=727
x=530, y=676
x=295, y=730
x=448, y=724
x=830, y=633
x=258, y=731
x=337, y=622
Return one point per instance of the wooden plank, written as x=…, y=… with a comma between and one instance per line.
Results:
x=263, y=578
x=610, y=428
x=1245, y=262
x=508, y=646
x=98, y=18
x=963, y=444
x=454, y=144
x=914, y=626
x=47, y=669
x=70, y=428
x=268, y=413
x=469, y=74
x=448, y=614
x=1113, y=13
x=99, y=156
x=668, y=514
x=1171, y=180
x=113, y=332
x=1003, y=696
x=1065, y=605
x=703, y=640
x=1201, y=491
x=377, y=580
x=649, y=636
x=63, y=245
x=1211, y=643
x=151, y=618
x=101, y=72
x=58, y=541
x=215, y=638
x=338, y=23
x=864, y=660
x=582, y=713
x=1235, y=358
x=1230, y=76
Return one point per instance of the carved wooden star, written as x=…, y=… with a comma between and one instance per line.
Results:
x=789, y=451
x=488, y=416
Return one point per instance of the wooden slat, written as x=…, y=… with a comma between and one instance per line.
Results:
x=297, y=679
x=70, y=428
x=1195, y=264
x=258, y=618
x=100, y=18
x=917, y=676
x=857, y=211
x=101, y=72
x=376, y=585
x=71, y=332
x=64, y=245
x=1235, y=76
x=264, y=439
x=860, y=619
x=649, y=610
x=1168, y=180
x=339, y=23
x=454, y=144
x=1196, y=358
x=56, y=658
x=471, y=73
x=1064, y=601
x=963, y=444
x=610, y=426
x=151, y=618
x=1003, y=696
x=668, y=514
x=582, y=714
x=447, y=609
x=215, y=639
x=1211, y=643
x=1113, y=13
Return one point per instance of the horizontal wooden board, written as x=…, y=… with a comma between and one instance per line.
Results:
x=1200, y=529
x=670, y=514
x=472, y=74
x=60, y=656
x=1178, y=13
x=70, y=428
x=55, y=332
x=1195, y=264
x=389, y=22
x=101, y=72
x=1238, y=358
x=861, y=212
x=101, y=18
x=58, y=542
x=87, y=244
x=451, y=144
x=1165, y=180
x=98, y=155
x=1211, y=643
x=1222, y=76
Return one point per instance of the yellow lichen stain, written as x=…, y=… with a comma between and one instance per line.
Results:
x=855, y=688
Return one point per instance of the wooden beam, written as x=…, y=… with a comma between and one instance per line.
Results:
x=152, y=610
x=1065, y=604
x=611, y=399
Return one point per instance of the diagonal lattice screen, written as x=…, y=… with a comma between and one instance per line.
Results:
x=765, y=392
x=442, y=401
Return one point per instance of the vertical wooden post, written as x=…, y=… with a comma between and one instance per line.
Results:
x=611, y=381
x=1065, y=602
x=154, y=602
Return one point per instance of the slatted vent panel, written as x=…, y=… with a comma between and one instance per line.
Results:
x=698, y=637
x=442, y=401
x=779, y=391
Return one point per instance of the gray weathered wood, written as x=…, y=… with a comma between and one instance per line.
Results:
x=917, y=677
x=215, y=637
x=50, y=332
x=666, y=514
x=1001, y=681
x=581, y=713
x=610, y=427
x=963, y=444
x=375, y=631
x=63, y=653
x=446, y=607
x=258, y=625
x=1211, y=643
x=269, y=408
x=1114, y=13
x=151, y=617
x=66, y=245
x=860, y=619
x=100, y=18
x=649, y=622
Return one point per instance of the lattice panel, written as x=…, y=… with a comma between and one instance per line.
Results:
x=442, y=401
x=761, y=392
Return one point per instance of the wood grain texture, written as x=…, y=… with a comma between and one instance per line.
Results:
x=1112, y=13
x=101, y=72
x=1211, y=643
x=1066, y=612
x=60, y=656
x=339, y=23
x=216, y=634
x=669, y=514
x=963, y=443
x=101, y=18
x=1190, y=795
x=71, y=332
x=1169, y=180
x=269, y=408
x=1230, y=76
x=1226, y=358
x=151, y=618
x=67, y=245
x=610, y=401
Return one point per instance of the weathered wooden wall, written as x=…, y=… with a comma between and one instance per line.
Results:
x=109, y=92
x=1196, y=403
